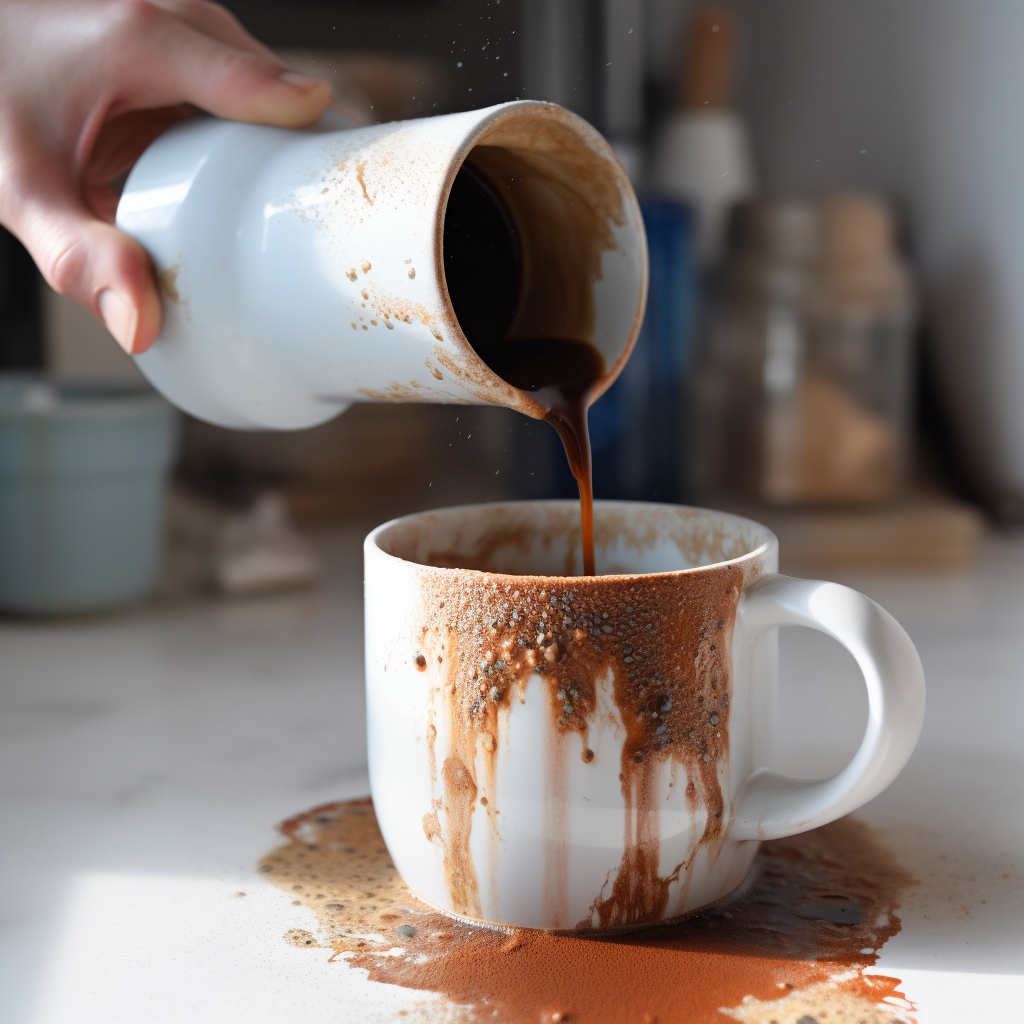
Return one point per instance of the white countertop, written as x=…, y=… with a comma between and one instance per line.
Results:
x=145, y=758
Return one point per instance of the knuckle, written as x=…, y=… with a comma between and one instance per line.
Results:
x=217, y=12
x=201, y=12
x=132, y=19
x=64, y=266
x=183, y=8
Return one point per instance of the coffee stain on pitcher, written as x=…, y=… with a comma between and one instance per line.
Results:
x=168, y=282
x=360, y=177
x=392, y=308
x=565, y=206
x=564, y=200
x=793, y=945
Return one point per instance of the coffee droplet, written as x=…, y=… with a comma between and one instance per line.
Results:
x=421, y=662
x=412, y=272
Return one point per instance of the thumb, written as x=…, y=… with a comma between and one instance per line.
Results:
x=121, y=282
x=173, y=62
x=94, y=264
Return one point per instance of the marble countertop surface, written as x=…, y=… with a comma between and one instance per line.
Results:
x=145, y=759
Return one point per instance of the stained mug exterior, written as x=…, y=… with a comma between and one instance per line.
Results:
x=555, y=751
x=302, y=271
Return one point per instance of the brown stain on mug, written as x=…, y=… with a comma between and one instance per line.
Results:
x=793, y=943
x=680, y=715
x=663, y=642
x=459, y=788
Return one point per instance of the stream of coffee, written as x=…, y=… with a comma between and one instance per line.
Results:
x=562, y=375
x=482, y=264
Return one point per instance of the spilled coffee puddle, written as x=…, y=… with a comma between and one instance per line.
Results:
x=791, y=948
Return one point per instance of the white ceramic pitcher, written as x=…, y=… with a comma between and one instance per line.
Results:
x=305, y=270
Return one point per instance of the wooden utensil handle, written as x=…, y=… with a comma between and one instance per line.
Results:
x=709, y=59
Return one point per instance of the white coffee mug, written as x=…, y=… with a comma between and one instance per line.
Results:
x=555, y=751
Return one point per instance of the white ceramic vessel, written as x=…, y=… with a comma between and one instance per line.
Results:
x=304, y=270
x=555, y=751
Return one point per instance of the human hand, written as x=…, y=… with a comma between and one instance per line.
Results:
x=85, y=86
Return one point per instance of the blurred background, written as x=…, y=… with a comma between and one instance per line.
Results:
x=835, y=334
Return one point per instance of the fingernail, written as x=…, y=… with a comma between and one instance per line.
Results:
x=120, y=317
x=304, y=82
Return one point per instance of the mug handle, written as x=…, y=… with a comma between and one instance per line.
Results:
x=770, y=806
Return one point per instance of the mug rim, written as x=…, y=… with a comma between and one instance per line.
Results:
x=374, y=537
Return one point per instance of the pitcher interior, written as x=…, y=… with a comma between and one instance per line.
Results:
x=543, y=538
x=543, y=240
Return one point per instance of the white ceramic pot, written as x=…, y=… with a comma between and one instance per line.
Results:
x=554, y=751
x=304, y=270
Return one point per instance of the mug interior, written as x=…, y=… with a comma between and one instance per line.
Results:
x=542, y=538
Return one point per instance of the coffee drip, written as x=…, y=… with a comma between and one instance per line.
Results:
x=482, y=263
x=562, y=374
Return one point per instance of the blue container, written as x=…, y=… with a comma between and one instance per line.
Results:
x=636, y=427
x=83, y=480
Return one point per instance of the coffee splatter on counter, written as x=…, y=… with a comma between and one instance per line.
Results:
x=790, y=948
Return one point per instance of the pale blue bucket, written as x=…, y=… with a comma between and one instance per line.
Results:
x=83, y=480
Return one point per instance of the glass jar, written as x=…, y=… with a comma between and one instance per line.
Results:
x=802, y=395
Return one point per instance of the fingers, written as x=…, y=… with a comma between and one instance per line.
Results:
x=219, y=23
x=119, y=144
x=81, y=257
x=108, y=273
x=167, y=61
x=142, y=62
